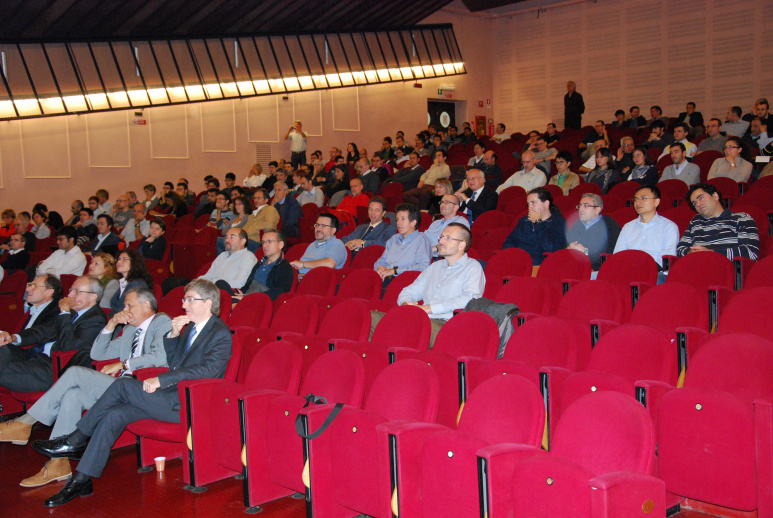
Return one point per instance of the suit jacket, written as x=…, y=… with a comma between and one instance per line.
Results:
x=493, y=175
x=207, y=358
x=109, y=245
x=47, y=317
x=291, y=212
x=696, y=118
x=116, y=302
x=268, y=217
x=378, y=236
x=68, y=336
x=487, y=200
x=409, y=178
x=371, y=181
x=153, y=353
x=17, y=261
x=31, y=240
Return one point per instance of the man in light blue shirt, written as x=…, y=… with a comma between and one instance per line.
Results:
x=327, y=250
x=447, y=284
x=449, y=205
x=650, y=232
x=309, y=193
x=407, y=250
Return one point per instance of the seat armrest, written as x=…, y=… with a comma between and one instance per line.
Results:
x=688, y=341
x=149, y=372
x=599, y=327
x=400, y=353
x=336, y=343
x=627, y=493
x=649, y=393
x=468, y=366
x=100, y=364
x=59, y=361
x=495, y=470
x=551, y=380
x=742, y=267
x=668, y=262
x=719, y=296
x=523, y=317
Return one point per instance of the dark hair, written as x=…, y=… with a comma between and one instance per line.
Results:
x=39, y=207
x=208, y=178
x=658, y=108
x=619, y=112
x=566, y=155
x=682, y=125
x=274, y=163
x=601, y=121
x=413, y=153
x=22, y=237
x=160, y=222
x=737, y=110
x=693, y=104
x=263, y=191
x=104, y=193
x=236, y=189
x=68, y=232
x=414, y=213
x=677, y=144
x=544, y=195
x=388, y=139
x=706, y=187
x=215, y=190
x=41, y=214
x=552, y=124
x=658, y=124
x=137, y=270
x=246, y=202
x=94, y=198
x=737, y=140
x=150, y=187
x=214, y=181
x=170, y=184
x=503, y=126
x=606, y=152
x=183, y=184
x=52, y=282
x=718, y=121
x=634, y=108
x=230, y=176
x=380, y=200
x=654, y=188
x=441, y=150
x=333, y=219
x=279, y=236
x=108, y=218
x=647, y=157
x=466, y=234
x=339, y=157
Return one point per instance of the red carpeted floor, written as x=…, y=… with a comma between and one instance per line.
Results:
x=123, y=492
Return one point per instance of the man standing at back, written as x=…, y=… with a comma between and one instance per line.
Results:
x=574, y=107
x=297, y=139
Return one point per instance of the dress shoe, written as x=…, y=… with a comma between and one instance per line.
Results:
x=15, y=432
x=53, y=471
x=70, y=490
x=59, y=448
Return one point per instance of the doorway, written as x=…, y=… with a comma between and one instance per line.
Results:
x=442, y=114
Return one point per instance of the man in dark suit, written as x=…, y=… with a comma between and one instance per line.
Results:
x=493, y=171
x=43, y=295
x=196, y=351
x=74, y=329
x=474, y=197
x=288, y=208
x=106, y=240
x=17, y=258
x=409, y=175
x=693, y=119
x=21, y=225
x=375, y=232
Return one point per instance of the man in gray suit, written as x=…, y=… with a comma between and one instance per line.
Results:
x=141, y=345
x=199, y=350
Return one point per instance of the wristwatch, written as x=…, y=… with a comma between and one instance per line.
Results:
x=125, y=364
x=395, y=267
x=585, y=251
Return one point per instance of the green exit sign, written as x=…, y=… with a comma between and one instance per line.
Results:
x=440, y=91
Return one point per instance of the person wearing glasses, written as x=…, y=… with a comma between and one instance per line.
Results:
x=74, y=329
x=273, y=274
x=43, y=295
x=474, y=197
x=69, y=259
x=327, y=250
x=263, y=217
x=681, y=169
x=449, y=206
x=714, y=140
x=593, y=234
x=564, y=178
x=197, y=347
x=717, y=229
x=732, y=165
x=650, y=232
x=447, y=284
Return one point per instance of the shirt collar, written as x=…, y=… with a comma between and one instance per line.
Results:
x=593, y=221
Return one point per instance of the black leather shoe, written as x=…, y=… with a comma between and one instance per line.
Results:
x=59, y=448
x=70, y=490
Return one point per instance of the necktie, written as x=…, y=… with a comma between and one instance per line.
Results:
x=135, y=342
x=191, y=337
x=366, y=233
x=469, y=210
x=74, y=317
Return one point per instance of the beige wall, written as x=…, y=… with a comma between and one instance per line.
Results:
x=644, y=52
x=106, y=150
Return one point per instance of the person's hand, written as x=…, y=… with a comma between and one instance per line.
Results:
x=699, y=248
x=297, y=264
x=5, y=338
x=151, y=384
x=237, y=294
x=111, y=368
x=577, y=246
x=65, y=304
x=5, y=247
x=120, y=318
x=150, y=239
x=619, y=154
x=625, y=170
x=177, y=325
x=652, y=137
x=534, y=216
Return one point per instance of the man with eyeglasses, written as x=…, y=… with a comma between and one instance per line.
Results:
x=625, y=154
x=681, y=169
x=68, y=260
x=197, y=347
x=327, y=250
x=474, y=198
x=273, y=274
x=288, y=208
x=564, y=178
x=17, y=257
x=43, y=295
x=222, y=215
x=757, y=137
x=449, y=206
x=140, y=345
x=650, y=232
x=74, y=329
x=262, y=218
x=447, y=284
x=718, y=229
x=375, y=232
x=593, y=234
x=714, y=139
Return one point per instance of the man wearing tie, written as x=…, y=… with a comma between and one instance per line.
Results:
x=375, y=232
x=43, y=295
x=74, y=329
x=199, y=350
x=474, y=198
x=140, y=345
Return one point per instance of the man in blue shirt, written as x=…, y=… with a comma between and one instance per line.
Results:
x=650, y=232
x=407, y=250
x=449, y=205
x=593, y=234
x=327, y=250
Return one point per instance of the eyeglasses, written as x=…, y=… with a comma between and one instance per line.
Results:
x=317, y=225
x=732, y=147
x=444, y=202
x=643, y=198
x=190, y=299
x=270, y=241
x=586, y=206
x=446, y=237
x=33, y=285
x=71, y=290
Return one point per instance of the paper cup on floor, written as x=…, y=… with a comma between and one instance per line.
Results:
x=160, y=463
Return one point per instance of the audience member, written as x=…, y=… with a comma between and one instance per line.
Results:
x=406, y=250
x=542, y=230
x=133, y=273
x=102, y=267
x=474, y=197
x=68, y=259
x=17, y=258
x=656, y=112
x=605, y=175
x=356, y=199
x=731, y=165
x=588, y=146
x=476, y=160
x=309, y=193
x=369, y=177
x=693, y=120
x=714, y=140
x=137, y=227
x=650, y=232
x=593, y=233
x=680, y=136
x=564, y=178
x=500, y=135
x=658, y=138
x=327, y=250
x=449, y=206
x=255, y=177
x=288, y=208
x=681, y=168
x=40, y=229
x=643, y=170
x=409, y=175
x=121, y=213
x=104, y=206
x=106, y=240
x=376, y=232
x=530, y=177
x=151, y=200
x=273, y=274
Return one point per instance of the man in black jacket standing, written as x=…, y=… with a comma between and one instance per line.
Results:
x=574, y=107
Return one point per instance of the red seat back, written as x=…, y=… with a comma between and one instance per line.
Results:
x=703, y=270
x=348, y=320
x=361, y=283
x=367, y=257
x=629, y=266
x=318, y=281
x=254, y=310
x=529, y=294
x=470, y=333
x=404, y=326
x=565, y=264
x=297, y=315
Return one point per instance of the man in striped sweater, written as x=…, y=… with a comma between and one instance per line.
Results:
x=716, y=228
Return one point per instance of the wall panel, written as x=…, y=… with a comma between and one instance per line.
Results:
x=45, y=147
x=107, y=138
x=168, y=131
x=218, y=127
x=263, y=119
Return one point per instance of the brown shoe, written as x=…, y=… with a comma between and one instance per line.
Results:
x=55, y=469
x=15, y=432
